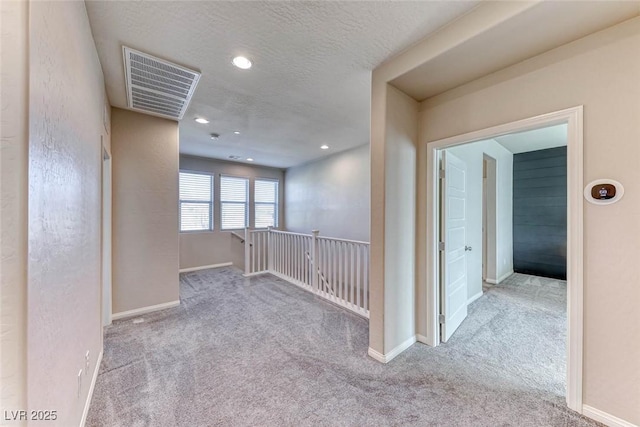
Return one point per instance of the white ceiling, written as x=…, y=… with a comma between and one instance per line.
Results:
x=310, y=83
x=533, y=140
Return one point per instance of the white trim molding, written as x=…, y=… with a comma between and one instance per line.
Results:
x=386, y=358
x=258, y=273
x=205, y=267
x=422, y=339
x=575, y=219
x=500, y=279
x=145, y=310
x=94, y=378
x=604, y=418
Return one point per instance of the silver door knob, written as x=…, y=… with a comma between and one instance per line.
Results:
x=467, y=248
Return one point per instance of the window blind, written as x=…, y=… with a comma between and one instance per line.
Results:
x=196, y=201
x=266, y=203
x=234, y=194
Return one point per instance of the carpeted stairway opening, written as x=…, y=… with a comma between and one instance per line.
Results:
x=261, y=352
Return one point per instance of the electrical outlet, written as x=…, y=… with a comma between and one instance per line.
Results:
x=86, y=363
x=79, y=383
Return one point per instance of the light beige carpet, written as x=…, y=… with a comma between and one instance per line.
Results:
x=262, y=352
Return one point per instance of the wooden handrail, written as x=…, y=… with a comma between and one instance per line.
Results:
x=290, y=233
x=359, y=242
x=233, y=233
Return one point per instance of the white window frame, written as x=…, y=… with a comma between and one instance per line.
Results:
x=211, y=203
x=246, y=202
x=276, y=204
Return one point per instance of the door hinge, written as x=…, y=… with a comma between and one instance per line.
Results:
x=441, y=319
x=441, y=246
x=441, y=173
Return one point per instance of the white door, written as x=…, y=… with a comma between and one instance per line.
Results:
x=453, y=288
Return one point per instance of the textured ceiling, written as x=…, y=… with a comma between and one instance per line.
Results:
x=544, y=26
x=533, y=140
x=310, y=83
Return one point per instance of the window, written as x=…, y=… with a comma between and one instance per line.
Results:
x=266, y=203
x=196, y=202
x=234, y=194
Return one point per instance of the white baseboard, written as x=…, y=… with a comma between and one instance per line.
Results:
x=500, y=279
x=386, y=358
x=145, y=310
x=423, y=339
x=475, y=297
x=604, y=418
x=205, y=267
x=505, y=276
x=94, y=378
x=257, y=273
x=376, y=355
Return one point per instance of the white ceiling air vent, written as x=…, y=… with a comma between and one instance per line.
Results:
x=157, y=87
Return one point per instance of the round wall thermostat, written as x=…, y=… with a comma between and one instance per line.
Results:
x=603, y=191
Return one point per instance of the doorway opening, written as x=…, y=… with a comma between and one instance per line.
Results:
x=106, y=237
x=454, y=259
x=489, y=197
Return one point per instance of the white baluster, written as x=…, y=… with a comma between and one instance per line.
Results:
x=247, y=253
x=365, y=295
x=352, y=247
x=358, y=266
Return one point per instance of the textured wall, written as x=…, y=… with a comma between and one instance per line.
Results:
x=215, y=247
x=66, y=104
x=14, y=137
x=540, y=213
x=144, y=153
x=331, y=195
x=600, y=72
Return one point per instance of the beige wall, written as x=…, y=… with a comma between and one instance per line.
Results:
x=14, y=151
x=145, y=210
x=199, y=249
x=66, y=105
x=331, y=195
x=393, y=195
x=400, y=218
x=600, y=72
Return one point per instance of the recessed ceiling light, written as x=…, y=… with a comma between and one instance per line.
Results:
x=215, y=136
x=201, y=120
x=324, y=147
x=237, y=132
x=241, y=62
x=249, y=159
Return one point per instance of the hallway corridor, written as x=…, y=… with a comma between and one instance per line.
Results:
x=262, y=352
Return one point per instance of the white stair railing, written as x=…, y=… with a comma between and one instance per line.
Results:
x=289, y=259
x=335, y=269
x=343, y=269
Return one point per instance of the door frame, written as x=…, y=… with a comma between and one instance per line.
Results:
x=489, y=219
x=106, y=309
x=573, y=117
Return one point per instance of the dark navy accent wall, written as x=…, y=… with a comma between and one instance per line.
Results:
x=540, y=213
